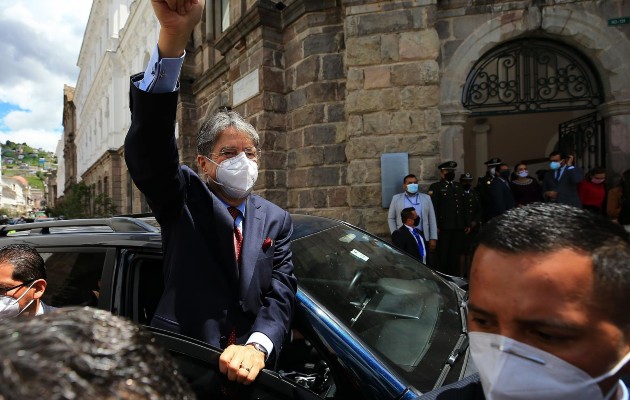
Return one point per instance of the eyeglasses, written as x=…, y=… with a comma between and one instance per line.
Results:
x=6, y=290
x=229, y=152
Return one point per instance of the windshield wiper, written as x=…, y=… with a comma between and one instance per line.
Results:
x=460, y=348
x=365, y=303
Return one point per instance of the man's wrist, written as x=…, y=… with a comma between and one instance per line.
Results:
x=259, y=347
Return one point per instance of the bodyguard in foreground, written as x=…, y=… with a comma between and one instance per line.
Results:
x=548, y=307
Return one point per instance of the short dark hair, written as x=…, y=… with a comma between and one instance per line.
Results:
x=518, y=165
x=85, y=353
x=406, y=213
x=408, y=176
x=562, y=154
x=545, y=228
x=597, y=170
x=28, y=265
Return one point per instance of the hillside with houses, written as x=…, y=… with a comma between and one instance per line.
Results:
x=23, y=178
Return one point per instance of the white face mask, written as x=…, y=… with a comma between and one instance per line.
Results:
x=10, y=307
x=513, y=370
x=493, y=170
x=237, y=175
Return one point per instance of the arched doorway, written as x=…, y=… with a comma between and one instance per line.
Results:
x=529, y=96
x=571, y=24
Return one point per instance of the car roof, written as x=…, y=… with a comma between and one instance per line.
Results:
x=125, y=231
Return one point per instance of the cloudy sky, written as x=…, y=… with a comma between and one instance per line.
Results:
x=39, y=48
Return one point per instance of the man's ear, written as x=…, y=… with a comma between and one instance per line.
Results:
x=40, y=288
x=201, y=161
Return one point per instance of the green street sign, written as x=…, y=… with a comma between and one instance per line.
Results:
x=619, y=21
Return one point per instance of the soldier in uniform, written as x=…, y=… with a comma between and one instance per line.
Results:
x=447, y=196
x=474, y=217
x=483, y=187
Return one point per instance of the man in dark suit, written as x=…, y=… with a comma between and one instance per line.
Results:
x=22, y=282
x=228, y=271
x=408, y=238
x=546, y=315
x=561, y=182
x=502, y=198
x=483, y=186
x=474, y=218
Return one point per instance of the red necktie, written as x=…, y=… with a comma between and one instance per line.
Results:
x=238, y=244
x=238, y=236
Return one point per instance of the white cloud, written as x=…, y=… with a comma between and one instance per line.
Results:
x=40, y=45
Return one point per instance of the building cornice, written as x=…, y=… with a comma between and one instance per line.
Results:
x=107, y=154
x=264, y=10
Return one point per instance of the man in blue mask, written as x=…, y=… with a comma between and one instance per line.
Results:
x=561, y=181
x=426, y=222
x=548, y=308
x=22, y=282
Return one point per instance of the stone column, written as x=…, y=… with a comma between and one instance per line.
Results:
x=616, y=116
x=452, y=135
x=481, y=130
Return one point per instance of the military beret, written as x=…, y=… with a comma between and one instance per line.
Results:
x=448, y=165
x=466, y=177
x=493, y=161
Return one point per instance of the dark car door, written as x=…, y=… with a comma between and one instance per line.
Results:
x=198, y=362
x=139, y=286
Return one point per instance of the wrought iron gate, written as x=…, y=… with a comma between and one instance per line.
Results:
x=529, y=76
x=584, y=138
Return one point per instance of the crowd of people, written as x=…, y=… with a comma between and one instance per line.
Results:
x=448, y=217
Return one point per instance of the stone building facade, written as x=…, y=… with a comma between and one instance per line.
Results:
x=332, y=85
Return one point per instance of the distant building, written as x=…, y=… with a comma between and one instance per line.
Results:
x=15, y=194
x=67, y=157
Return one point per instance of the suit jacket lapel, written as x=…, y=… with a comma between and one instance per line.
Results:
x=253, y=227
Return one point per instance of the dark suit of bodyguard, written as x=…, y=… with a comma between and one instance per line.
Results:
x=447, y=196
x=483, y=187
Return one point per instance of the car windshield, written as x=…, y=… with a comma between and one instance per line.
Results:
x=397, y=306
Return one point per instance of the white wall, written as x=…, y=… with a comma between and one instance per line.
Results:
x=118, y=35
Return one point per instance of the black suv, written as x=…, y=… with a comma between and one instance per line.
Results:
x=371, y=322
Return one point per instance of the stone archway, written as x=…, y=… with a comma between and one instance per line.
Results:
x=607, y=48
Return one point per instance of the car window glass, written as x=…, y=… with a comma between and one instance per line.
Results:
x=395, y=304
x=73, y=278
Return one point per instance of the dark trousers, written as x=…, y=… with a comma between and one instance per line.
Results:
x=450, y=242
